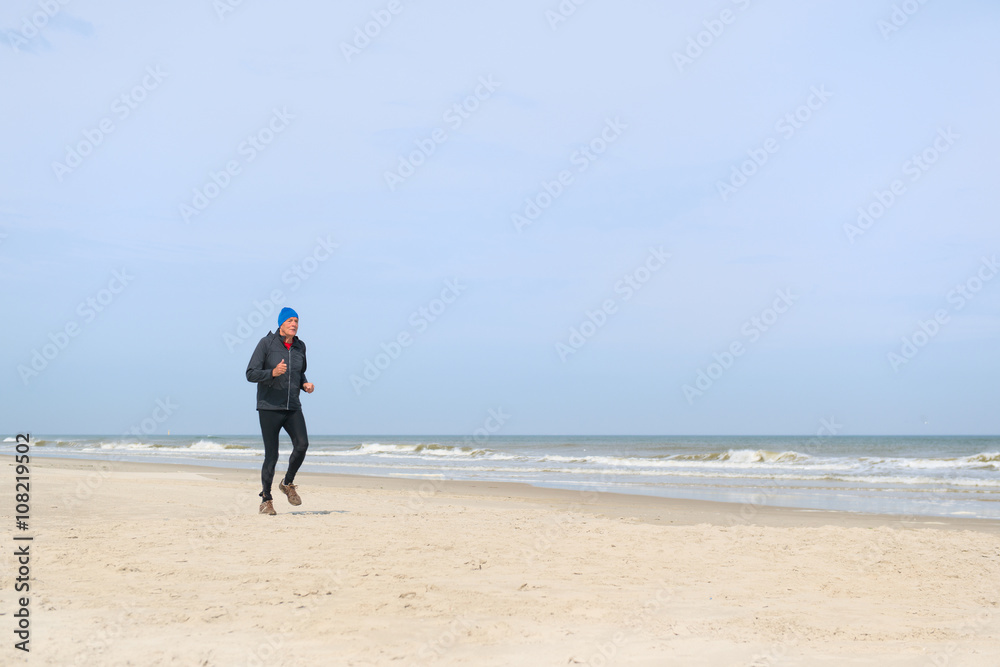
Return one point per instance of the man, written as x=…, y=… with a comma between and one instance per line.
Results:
x=278, y=366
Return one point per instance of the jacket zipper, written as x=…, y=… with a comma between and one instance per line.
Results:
x=288, y=400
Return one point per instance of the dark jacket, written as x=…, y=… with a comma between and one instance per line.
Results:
x=281, y=392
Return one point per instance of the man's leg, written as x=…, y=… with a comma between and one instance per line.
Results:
x=270, y=426
x=295, y=426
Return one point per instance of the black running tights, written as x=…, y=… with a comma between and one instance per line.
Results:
x=271, y=423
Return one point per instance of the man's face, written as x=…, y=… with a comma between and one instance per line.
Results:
x=290, y=327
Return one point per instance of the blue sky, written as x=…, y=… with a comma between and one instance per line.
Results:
x=832, y=99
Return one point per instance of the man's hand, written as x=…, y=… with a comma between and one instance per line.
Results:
x=307, y=387
x=279, y=369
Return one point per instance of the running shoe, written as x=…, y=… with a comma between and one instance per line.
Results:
x=289, y=490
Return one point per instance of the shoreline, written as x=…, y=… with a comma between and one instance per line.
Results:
x=953, y=478
x=656, y=510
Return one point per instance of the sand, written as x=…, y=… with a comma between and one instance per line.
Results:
x=152, y=564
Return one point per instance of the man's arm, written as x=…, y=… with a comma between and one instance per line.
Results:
x=255, y=369
x=304, y=380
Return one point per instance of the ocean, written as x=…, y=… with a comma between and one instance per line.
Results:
x=905, y=475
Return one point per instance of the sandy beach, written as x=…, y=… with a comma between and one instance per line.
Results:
x=155, y=564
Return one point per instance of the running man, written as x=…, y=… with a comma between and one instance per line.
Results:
x=278, y=366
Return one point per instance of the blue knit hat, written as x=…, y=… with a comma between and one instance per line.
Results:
x=285, y=313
